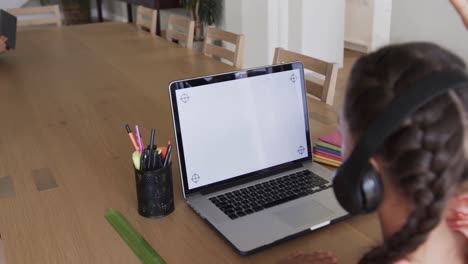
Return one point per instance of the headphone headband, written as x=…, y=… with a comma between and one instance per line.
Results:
x=349, y=182
x=405, y=104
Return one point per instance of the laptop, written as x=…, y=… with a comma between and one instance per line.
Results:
x=245, y=156
x=8, y=28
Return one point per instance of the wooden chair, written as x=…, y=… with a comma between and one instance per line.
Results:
x=146, y=19
x=54, y=10
x=180, y=30
x=323, y=89
x=210, y=49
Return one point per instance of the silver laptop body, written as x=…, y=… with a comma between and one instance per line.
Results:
x=242, y=138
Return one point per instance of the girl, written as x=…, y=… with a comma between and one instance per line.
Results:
x=423, y=165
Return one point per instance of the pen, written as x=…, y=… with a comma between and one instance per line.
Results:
x=154, y=160
x=138, y=137
x=168, y=155
x=141, y=141
x=145, y=166
x=151, y=145
x=130, y=134
x=152, y=151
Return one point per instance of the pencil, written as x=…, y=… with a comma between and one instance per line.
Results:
x=132, y=138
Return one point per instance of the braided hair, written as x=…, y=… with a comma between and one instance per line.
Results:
x=425, y=158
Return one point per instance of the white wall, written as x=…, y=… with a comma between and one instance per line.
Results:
x=259, y=21
x=278, y=26
x=358, y=25
x=382, y=21
x=323, y=29
x=434, y=20
x=368, y=23
x=295, y=26
x=232, y=16
x=311, y=27
x=255, y=27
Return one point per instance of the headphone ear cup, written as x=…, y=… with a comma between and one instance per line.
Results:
x=372, y=190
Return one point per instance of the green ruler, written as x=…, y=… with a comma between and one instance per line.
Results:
x=327, y=145
x=135, y=241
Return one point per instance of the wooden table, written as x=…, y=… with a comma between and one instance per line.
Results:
x=65, y=95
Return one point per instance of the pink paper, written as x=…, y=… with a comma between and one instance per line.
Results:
x=333, y=138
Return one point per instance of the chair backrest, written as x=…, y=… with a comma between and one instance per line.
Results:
x=146, y=19
x=52, y=10
x=324, y=90
x=210, y=49
x=182, y=30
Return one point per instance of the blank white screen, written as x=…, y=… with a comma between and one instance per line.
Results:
x=236, y=127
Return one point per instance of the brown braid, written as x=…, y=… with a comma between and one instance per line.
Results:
x=424, y=158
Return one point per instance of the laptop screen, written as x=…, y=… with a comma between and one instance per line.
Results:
x=239, y=124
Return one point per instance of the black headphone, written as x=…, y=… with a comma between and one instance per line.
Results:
x=357, y=186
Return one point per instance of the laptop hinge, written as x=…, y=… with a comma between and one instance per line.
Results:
x=276, y=170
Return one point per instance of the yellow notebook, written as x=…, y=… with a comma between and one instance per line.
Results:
x=322, y=159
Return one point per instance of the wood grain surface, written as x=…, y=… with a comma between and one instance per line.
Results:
x=65, y=95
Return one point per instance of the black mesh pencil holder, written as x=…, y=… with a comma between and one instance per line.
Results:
x=154, y=192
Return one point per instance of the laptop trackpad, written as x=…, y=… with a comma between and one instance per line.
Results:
x=305, y=214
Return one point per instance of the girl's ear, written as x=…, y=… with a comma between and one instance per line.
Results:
x=457, y=215
x=458, y=206
x=403, y=261
x=375, y=164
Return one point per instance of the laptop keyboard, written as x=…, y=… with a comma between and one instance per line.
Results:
x=264, y=195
